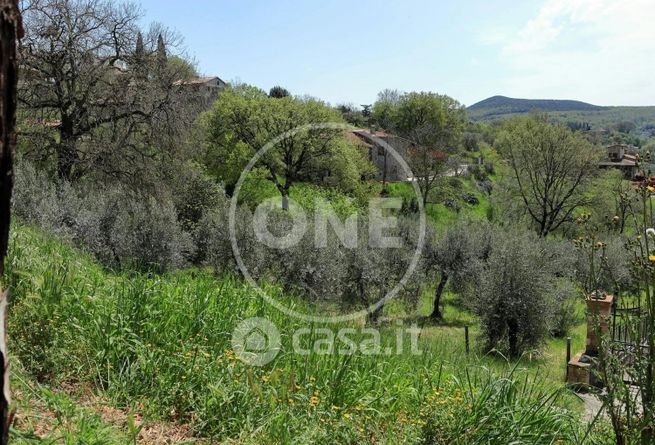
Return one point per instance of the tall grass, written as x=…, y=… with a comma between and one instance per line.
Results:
x=160, y=345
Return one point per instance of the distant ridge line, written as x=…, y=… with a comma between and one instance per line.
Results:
x=504, y=105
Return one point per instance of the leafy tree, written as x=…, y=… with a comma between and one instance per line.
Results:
x=244, y=119
x=384, y=106
x=432, y=124
x=471, y=141
x=370, y=273
x=279, y=92
x=612, y=198
x=626, y=127
x=182, y=67
x=352, y=115
x=552, y=168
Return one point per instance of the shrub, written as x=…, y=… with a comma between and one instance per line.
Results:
x=470, y=198
x=565, y=314
x=479, y=172
x=455, y=182
x=608, y=270
x=451, y=204
x=485, y=186
x=410, y=206
x=120, y=227
x=194, y=194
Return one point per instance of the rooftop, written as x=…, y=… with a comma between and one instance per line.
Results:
x=197, y=80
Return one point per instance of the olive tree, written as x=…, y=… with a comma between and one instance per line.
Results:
x=456, y=254
x=512, y=295
x=372, y=271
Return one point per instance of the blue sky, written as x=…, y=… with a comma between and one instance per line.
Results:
x=599, y=51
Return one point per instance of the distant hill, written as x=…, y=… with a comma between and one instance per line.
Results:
x=497, y=106
x=565, y=111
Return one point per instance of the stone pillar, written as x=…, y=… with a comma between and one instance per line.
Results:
x=599, y=311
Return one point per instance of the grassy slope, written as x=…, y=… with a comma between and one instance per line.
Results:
x=159, y=347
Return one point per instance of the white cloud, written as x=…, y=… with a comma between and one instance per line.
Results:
x=602, y=51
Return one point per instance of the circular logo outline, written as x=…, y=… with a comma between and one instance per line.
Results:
x=260, y=326
x=291, y=312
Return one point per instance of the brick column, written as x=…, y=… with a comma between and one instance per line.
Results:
x=599, y=311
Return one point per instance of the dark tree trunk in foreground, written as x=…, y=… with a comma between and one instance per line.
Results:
x=10, y=30
x=513, y=338
x=436, y=311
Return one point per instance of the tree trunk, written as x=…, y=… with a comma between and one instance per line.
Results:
x=513, y=338
x=436, y=312
x=65, y=161
x=285, y=200
x=374, y=316
x=10, y=30
x=67, y=156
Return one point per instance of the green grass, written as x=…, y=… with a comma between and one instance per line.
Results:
x=160, y=346
x=440, y=215
x=256, y=189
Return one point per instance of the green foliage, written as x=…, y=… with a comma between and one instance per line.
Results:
x=552, y=169
x=430, y=125
x=481, y=407
x=162, y=343
x=564, y=112
x=183, y=68
x=244, y=119
x=512, y=295
x=278, y=92
x=121, y=227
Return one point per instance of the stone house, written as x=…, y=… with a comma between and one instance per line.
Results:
x=378, y=144
x=618, y=157
x=207, y=88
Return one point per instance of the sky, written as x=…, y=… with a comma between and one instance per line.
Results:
x=346, y=51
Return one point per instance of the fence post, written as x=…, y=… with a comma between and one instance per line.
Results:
x=466, y=337
x=568, y=356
